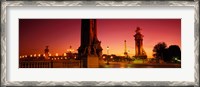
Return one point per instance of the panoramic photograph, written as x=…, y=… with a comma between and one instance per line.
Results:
x=99, y=43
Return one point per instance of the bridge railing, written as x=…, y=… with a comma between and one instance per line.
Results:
x=50, y=64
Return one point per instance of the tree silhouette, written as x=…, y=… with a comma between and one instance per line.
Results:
x=174, y=52
x=167, y=54
x=160, y=50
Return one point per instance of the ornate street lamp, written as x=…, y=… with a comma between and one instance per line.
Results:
x=107, y=57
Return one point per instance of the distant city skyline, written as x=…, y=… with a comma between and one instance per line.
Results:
x=60, y=34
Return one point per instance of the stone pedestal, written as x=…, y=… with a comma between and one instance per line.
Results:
x=93, y=62
x=90, y=62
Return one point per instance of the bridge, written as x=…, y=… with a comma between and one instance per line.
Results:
x=50, y=64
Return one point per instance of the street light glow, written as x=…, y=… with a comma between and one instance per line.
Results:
x=65, y=54
x=111, y=57
x=34, y=55
x=39, y=55
x=49, y=54
x=56, y=54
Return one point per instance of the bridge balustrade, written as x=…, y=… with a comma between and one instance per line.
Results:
x=50, y=64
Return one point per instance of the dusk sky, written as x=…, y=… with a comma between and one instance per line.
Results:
x=60, y=34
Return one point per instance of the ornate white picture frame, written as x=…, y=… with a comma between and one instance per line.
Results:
x=4, y=45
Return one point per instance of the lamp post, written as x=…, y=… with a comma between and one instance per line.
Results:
x=107, y=50
x=128, y=56
x=107, y=58
x=51, y=62
x=111, y=58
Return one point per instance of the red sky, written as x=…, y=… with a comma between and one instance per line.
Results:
x=59, y=34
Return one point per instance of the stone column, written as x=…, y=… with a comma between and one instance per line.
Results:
x=90, y=49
